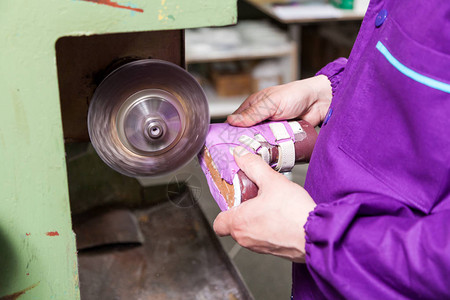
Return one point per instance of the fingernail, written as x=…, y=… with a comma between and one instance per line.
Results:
x=231, y=117
x=235, y=117
x=240, y=151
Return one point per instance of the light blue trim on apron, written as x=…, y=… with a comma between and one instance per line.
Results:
x=435, y=84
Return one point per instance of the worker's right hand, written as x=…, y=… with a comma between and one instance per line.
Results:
x=307, y=99
x=273, y=221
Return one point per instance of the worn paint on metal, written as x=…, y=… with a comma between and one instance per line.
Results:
x=115, y=4
x=52, y=233
x=33, y=181
x=16, y=295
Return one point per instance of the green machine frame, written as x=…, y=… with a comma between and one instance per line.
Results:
x=37, y=246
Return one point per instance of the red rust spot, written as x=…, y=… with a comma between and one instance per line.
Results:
x=115, y=4
x=27, y=234
x=28, y=274
x=52, y=233
x=18, y=294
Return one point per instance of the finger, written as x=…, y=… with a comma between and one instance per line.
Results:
x=254, y=114
x=253, y=166
x=256, y=108
x=312, y=116
x=247, y=102
x=312, y=119
x=222, y=223
x=236, y=115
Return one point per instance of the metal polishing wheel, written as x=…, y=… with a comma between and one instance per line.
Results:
x=148, y=118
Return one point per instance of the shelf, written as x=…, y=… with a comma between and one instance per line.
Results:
x=221, y=107
x=343, y=15
x=241, y=53
x=248, y=40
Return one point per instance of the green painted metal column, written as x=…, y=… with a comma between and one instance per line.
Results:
x=37, y=245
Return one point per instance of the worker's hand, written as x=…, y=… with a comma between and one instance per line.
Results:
x=307, y=99
x=273, y=221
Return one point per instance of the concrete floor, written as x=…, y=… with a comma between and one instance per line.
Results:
x=266, y=276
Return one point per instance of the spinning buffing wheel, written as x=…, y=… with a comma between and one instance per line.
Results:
x=148, y=118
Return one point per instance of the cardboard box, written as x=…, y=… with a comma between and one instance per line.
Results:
x=232, y=84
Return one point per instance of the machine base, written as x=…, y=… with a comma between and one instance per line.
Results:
x=181, y=258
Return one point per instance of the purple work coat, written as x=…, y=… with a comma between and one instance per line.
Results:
x=380, y=169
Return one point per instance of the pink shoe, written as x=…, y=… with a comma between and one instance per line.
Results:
x=281, y=144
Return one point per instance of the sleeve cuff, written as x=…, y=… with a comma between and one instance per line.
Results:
x=334, y=72
x=326, y=223
x=311, y=217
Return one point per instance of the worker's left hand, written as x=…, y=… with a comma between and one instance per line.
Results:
x=273, y=221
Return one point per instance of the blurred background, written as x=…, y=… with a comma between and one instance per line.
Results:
x=274, y=42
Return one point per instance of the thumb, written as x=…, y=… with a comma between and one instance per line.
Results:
x=222, y=223
x=253, y=166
